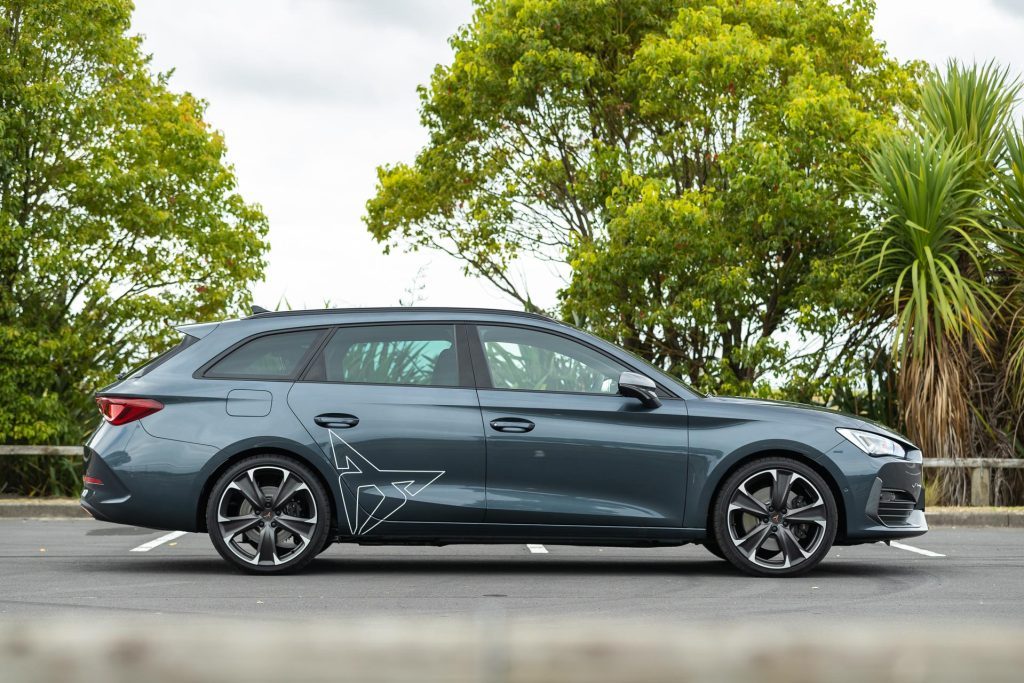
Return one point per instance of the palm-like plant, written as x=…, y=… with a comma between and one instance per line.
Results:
x=936, y=263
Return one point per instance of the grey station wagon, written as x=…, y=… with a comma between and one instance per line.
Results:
x=282, y=433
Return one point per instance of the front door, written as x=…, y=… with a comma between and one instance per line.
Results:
x=563, y=447
x=394, y=408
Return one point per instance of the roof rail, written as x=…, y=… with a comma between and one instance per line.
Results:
x=259, y=312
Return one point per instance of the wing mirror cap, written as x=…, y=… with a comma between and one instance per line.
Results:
x=635, y=385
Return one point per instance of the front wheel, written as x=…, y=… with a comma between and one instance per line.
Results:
x=775, y=517
x=268, y=514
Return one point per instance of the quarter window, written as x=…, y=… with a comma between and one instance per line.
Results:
x=390, y=354
x=537, y=361
x=273, y=356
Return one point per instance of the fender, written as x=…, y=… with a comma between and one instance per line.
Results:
x=312, y=457
x=703, y=483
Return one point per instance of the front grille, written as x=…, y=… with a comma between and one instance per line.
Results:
x=894, y=507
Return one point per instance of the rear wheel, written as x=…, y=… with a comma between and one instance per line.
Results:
x=328, y=542
x=711, y=545
x=268, y=514
x=775, y=517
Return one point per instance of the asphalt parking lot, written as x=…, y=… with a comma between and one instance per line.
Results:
x=83, y=568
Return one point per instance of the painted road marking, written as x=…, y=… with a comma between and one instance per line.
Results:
x=536, y=548
x=919, y=551
x=146, y=547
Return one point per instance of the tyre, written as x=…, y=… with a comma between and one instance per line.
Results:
x=712, y=547
x=775, y=517
x=268, y=514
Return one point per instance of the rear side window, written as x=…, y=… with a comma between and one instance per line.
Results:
x=390, y=354
x=272, y=356
x=186, y=341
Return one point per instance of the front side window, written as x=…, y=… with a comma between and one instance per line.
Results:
x=532, y=360
x=390, y=354
x=272, y=356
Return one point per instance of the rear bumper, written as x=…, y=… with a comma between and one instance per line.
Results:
x=146, y=480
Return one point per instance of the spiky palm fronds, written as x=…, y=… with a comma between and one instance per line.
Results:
x=928, y=255
x=970, y=107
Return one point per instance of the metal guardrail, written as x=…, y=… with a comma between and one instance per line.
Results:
x=980, y=468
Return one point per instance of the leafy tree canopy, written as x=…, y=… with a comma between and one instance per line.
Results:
x=118, y=213
x=687, y=160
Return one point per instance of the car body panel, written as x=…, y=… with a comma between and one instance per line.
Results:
x=589, y=460
x=429, y=435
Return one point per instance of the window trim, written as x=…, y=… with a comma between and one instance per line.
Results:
x=483, y=372
x=202, y=372
x=462, y=359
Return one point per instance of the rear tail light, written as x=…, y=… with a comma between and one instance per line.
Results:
x=86, y=479
x=119, y=411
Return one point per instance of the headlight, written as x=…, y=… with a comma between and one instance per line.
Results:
x=873, y=444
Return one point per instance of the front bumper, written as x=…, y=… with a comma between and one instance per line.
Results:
x=884, y=496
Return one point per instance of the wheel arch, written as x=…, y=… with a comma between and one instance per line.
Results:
x=721, y=474
x=245, y=449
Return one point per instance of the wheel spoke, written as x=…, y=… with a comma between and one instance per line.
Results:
x=790, y=546
x=750, y=543
x=780, y=488
x=811, y=514
x=741, y=500
x=303, y=528
x=246, y=485
x=232, y=526
x=290, y=485
x=266, y=553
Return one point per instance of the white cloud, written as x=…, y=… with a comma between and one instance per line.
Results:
x=938, y=30
x=312, y=96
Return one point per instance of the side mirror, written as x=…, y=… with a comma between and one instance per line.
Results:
x=635, y=385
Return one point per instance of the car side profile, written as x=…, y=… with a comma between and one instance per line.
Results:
x=282, y=433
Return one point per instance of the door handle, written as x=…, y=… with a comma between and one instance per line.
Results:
x=515, y=425
x=336, y=420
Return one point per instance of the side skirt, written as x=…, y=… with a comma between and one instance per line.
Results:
x=438, y=533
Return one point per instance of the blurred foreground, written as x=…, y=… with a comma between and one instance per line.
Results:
x=498, y=650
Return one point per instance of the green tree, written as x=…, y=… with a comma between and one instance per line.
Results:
x=942, y=263
x=685, y=161
x=118, y=213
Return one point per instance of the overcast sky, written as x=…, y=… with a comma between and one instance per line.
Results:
x=313, y=95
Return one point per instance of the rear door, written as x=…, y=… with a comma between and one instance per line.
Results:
x=563, y=447
x=394, y=407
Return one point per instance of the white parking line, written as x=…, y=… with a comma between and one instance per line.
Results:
x=919, y=551
x=146, y=547
x=536, y=548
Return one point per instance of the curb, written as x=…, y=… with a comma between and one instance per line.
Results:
x=32, y=508
x=997, y=517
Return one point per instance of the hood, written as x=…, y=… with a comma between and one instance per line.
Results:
x=778, y=409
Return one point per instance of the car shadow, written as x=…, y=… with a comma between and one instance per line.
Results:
x=506, y=565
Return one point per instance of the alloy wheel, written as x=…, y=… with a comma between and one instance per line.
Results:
x=777, y=518
x=267, y=516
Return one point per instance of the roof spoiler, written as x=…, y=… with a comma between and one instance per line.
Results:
x=197, y=330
